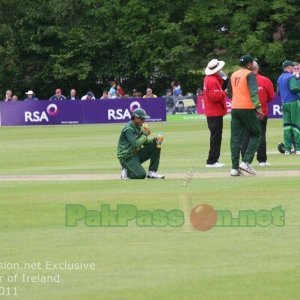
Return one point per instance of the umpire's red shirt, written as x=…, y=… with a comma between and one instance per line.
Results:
x=214, y=96
x=265, y=92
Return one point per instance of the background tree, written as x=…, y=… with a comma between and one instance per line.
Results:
x=87, y=43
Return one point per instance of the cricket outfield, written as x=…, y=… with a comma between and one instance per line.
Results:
x=44, y=169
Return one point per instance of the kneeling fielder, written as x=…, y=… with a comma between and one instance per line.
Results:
x=135, y=147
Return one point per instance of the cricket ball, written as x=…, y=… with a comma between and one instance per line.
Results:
x=203, y=217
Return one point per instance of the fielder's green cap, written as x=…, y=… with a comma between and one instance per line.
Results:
x=140, y=113
x=245, y=59
x=287, y=63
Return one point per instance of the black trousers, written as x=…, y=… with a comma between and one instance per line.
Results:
x=215, y=125
x=262, y=148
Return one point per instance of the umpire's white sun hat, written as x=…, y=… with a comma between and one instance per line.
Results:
x=214, y=66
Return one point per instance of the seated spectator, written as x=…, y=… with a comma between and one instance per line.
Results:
x=30, y=96
x=112, y=92
x=199, y=92
x=120, y=91
x=168, y=93
x=14, y=98
x=104, y=95
x=58, y=96
x=136, y=94
x=8, y=96
x=73, y=95
x=149, y=94
x=177, y=91
x=89, y=96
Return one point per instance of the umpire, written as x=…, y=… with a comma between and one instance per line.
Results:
x=135, y=147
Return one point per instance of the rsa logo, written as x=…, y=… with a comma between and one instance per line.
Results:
x=38, y=117
x=121, y=114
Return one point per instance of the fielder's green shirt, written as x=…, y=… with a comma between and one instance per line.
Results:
x=294, y=84
x=131, y=141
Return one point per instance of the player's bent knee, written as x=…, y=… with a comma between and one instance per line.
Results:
x=140, y=175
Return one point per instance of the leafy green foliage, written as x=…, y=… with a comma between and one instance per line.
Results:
x=87, y=43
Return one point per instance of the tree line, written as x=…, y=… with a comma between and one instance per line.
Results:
x=87, y=43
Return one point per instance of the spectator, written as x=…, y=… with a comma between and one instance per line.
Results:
x=266, y=94
x=58, y=96
x=73, y=95
x=14, y=98
x=89, y=96
x=120, y=91
x=149, y=94
x=177, y=91
x=136, y=94
x=112, y=92
x=168, y=93
x=8, y=96
x=199, y=92
x=104, y=95
x=169, y=100
x=30, y=96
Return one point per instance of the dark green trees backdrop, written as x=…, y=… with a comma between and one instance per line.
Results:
x=84, y=44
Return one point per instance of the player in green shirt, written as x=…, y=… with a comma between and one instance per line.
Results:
x=135, y=147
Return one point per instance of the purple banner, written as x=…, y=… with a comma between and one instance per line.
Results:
x=79, y=112
x=119, y=110
x=275, y=108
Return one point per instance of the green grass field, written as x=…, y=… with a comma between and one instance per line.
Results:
x=133, y=262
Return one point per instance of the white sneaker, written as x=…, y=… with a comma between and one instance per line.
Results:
x=215, y=165
x=155, y=175
x=264, y=164
x=247, y=168
x=235, y=172
x=287, y=152
x=124, y=175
